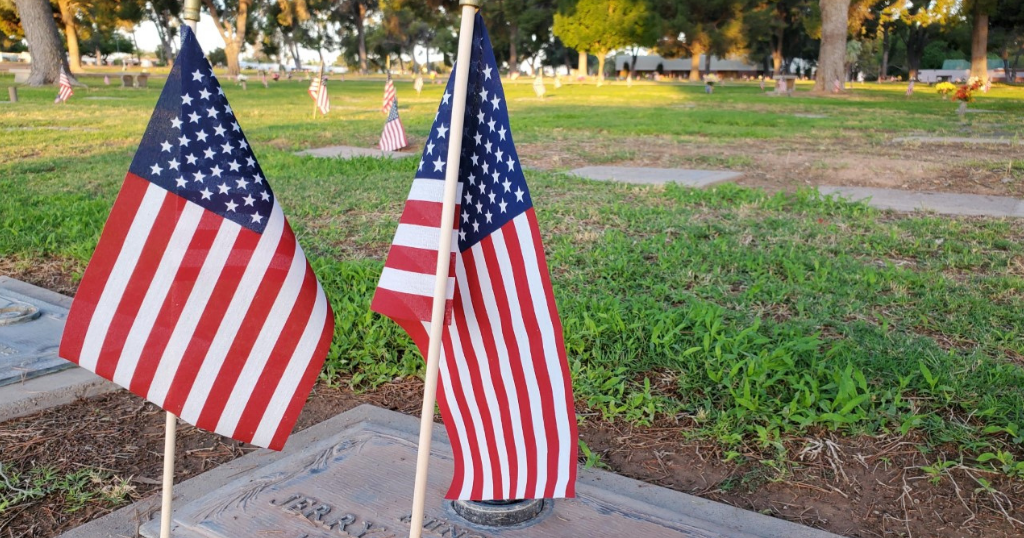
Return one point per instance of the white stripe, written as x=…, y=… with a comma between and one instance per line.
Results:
x=292, y=376
x=236, y=312
x=458, y=421
x=552, y=359
x=467, y=386
x=425, y=237
x=431, y=190
x=277, y=318
x=120, y=275
x=522, y=337
x=193, y=311
x=507, y=378
x=412, y=283
x=156, y=294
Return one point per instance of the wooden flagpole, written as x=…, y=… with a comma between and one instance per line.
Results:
x=190, y=13
x=444, y=249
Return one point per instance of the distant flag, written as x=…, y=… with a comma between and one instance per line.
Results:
x=762, y=83
x=393, y=137
x=910, y=88
x=198, y=297
x=505, y=392
x=389, y=95
x=318, y=91
x=64, y=91
x=106, y=79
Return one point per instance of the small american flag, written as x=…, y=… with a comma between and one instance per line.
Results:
x=389, y=95
x=393, y=137
x=64, y=91
x=505, y=392
x=318, y=91
x=198, y=297
x=910, y=88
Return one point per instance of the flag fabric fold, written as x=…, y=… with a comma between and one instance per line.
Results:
x=393, y=137
x=318, y=92
x=64, y=89
x=198, y=296
x=505, y=391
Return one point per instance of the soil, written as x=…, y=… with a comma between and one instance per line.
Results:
x=862, y=487
x=789, y=164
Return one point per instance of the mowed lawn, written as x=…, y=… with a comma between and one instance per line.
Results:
x=748, y=319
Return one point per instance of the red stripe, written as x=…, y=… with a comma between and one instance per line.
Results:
x=270, y=377
x=174, y=303
x=142, y=278
x=490, y=353
x=212, y=317
x=255, y=317
x=400, y=305
x=515, y=362
x=563, y=360
x=422, y=213
x=291, y=414
x=415, y=260
x=96, y=275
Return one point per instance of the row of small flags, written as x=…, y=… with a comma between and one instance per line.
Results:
x=200, y=299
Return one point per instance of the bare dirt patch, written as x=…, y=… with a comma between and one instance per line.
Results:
x=789, y=164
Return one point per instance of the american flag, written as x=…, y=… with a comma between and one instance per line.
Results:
x=389, y=95
x=505, y=392
x=393, y=137
x=64, y=92
x=198, y=296
x=910, y=88
x=318, y=91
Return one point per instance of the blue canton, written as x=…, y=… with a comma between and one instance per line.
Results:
x=194, y=147
x=493, y=187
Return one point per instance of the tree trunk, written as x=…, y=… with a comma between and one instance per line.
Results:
x=707, y=63
x=600, y=67
x=979, y=43
x=43, y=42
x=777, y=52
x=582, y=64
x=917, y=39
x=695, y=52
x=231, y=50
x=832, y=55
x=361, y=32
x=513, y=55
x=884, y=68
x=67, y=15
x=295, y=54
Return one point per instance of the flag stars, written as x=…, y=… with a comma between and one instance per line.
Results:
x=462, y=235
x=176, y=123
x=208, y=153
x=472, y=178
x=201, y=136
x=439, y=164
x=193, y=117
x=430, y=148
x=257, y=218
x=243, y=144
x=264, y=196
x=231, y=206
x=476, y=226
x=465, y=218
x=487, y=73
x=235, y=127
x=165, y=146
x=206, y=194
x=226, y=147
x=191, y=158
x=203, y=94
x=501, y=132
x=249, y=200
x=258, y=179
x=234, y=166
x=469, y=198
x=519, y=194
x=480, y=116
x=183, y=141
x=495, y=175
x=173, y=164
x=442, y=131
x=219, y=131
x=483, y=188
x=186, y=100
x=223, y=188
x=491, y=195
x=211, y=112
x=499, y=153
x=250, y=162
x=475, y=158
x=503, y=205
x=241, y=183
x=507, y=184
x=483, y=94
x=215, y=171
x=181, y=182
x=479, y=207
x=488, y=216
x=155, y=169
x=486, y=167
x=491, y=124
x=445, y=97
x=421, y=166
x=197, y=76
x=511, y=164
x=478, y=138
x=495, y=101
x=487, y=146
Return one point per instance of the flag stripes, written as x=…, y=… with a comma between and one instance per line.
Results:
x=199, y=294
x=505, y=310
x=64, y=90
x=318, y=92
x=389, y=95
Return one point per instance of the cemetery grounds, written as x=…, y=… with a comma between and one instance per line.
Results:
x=758, y=344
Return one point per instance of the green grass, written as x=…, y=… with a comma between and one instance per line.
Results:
x=752, y=318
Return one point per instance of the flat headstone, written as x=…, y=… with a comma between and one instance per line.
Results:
x=347, y=152
x=938, y=202
x=811, y=116
x=103, y=98
x=956, y=140
x=656, y=176
x=353, y=476
x=32, y=376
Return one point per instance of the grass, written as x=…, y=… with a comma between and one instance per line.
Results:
x=751, y=318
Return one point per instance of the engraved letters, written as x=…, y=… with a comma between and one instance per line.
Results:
x=319, y=513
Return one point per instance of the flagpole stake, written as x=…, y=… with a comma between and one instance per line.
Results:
x=444, y=249
x=170, y=431
x=190, y=12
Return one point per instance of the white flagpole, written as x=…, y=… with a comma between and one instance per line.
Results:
x=189, y=12
x=444, y=249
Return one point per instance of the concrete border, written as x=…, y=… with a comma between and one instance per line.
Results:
x=939, y=202
x=661, y=502
x=656, y=176
x=50, y=390
x=956, y=140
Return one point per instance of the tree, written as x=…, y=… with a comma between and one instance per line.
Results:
x=352, y=15
x=231, y=17
x=600, y=26
x=832, y=55
x=1008, y=35
x=980, y=11
x=518, y=28
x=11, y=34
x=778, y=26
x=70, y=11
x=699, y=27
x=43, y=42
x=164, y=14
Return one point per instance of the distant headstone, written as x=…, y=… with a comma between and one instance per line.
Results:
x=12, y=93
x=31, y=322
x=418, y=84
x=106, y=80
x=558, y=81
x=538, y=86
x=142, y=80
x=127, y=81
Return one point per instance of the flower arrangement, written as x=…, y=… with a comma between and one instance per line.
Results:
x=964, y=94
x=711, y=79
x=945, y=88
x=974, y=83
